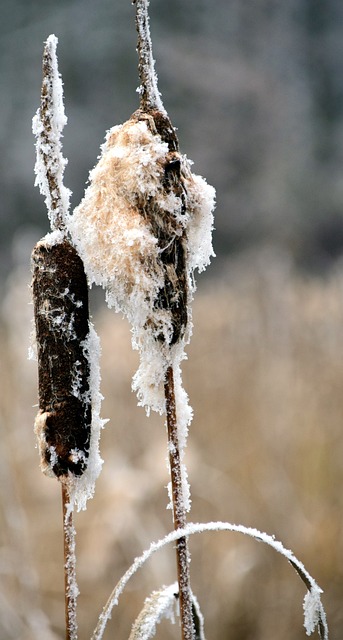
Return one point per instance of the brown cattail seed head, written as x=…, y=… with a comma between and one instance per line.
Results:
x=60, y=297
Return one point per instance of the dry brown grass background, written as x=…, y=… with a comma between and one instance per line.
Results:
x=265, y=379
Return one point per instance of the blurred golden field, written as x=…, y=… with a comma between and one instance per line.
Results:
x=265, y=379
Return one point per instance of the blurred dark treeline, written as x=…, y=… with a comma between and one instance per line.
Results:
x=254, y=88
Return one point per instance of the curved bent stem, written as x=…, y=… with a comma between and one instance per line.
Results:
x=313, y=589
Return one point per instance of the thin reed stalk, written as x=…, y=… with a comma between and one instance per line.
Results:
x=179, y=511
x=70, y=588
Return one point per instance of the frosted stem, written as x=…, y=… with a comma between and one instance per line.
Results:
x=48, y=124
x=179, y=511
x=316, y=614
x=70, y=586
x=150, y=96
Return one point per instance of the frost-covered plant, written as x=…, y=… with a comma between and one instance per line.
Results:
x=68, y=423
x=142, y=229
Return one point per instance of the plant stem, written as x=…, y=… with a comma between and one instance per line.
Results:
x=149, y=95
x=70, y=587
x=179, y=511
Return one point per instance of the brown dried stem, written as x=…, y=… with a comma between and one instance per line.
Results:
x=179, y=512
x=49, y=155
x=70, y=588
x=150, y=97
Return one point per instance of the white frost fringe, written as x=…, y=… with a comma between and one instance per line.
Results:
x=82, y=488
x=162, y=604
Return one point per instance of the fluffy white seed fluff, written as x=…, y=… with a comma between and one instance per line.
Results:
x=121, y=253
x=117, y=245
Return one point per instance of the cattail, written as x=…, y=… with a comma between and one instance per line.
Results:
x=67, y=346
x=142, y=228
x=65, y=339
x=60, y=295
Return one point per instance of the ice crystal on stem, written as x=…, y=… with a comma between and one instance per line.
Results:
x=47, y=125
x=71, y=588
x=160, y=604
x=148, y=90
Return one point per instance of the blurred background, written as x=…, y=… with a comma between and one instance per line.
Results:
x=256, y=92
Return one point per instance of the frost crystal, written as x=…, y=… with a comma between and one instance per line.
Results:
x=313, y=610
x=161, y=604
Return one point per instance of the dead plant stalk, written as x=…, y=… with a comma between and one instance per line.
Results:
x=182, y=552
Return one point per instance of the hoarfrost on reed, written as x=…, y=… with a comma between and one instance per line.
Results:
x=47, y=126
